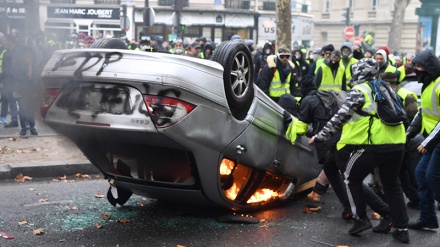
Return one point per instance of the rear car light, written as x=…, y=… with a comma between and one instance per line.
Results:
x=50, y=95
x=166, y=111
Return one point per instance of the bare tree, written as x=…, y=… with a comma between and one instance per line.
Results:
x=284, y=23
x=395, y=36
x=32, y=21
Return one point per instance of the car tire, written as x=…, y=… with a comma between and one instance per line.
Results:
x=236, y=60
x=109, y=43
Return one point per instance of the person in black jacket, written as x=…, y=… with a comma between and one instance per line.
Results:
x=260, y=59
x=301, y=63
x=312, y=111
x=277, y=77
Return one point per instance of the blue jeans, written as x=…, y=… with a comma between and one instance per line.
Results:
x=428, y=181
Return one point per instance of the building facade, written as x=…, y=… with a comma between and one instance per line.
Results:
x=372, y=16
x=214, y=19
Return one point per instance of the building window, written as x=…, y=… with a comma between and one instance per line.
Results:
x=107, y=1
x=172, y=2
x=63, y=1
x=374, y=4
x=237, y=4
x=326, y=6
x=324, y=37
x=269, y=5
x=305, y=8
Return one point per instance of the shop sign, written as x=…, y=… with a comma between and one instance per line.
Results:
x=302, y=28
x=83, y=13
x=13, y=10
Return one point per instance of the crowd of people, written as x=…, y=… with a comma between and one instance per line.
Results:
x=351, y=144
x=22, y=61
x=355, y=142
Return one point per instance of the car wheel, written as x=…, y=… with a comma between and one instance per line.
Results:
x=236, y=60
x=109, y=43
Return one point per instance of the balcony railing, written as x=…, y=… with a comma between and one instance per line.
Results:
x=108, y=2
x=63, y=1
x=237, y=4
x=268, y=5
x=172, y=3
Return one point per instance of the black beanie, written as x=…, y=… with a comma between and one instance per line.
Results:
x=329, y=47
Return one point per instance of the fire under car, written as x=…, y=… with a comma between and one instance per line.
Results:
x=177, y=128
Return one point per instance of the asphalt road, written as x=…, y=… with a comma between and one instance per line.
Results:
x=68, y=211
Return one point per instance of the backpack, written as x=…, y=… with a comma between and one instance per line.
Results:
x=390, y=109
x=332, y=100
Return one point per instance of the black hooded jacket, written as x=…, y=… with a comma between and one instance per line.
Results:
x=427, y=60
x=260, y=60
x=431, y=64
x=312, y=111
x=208, y=46
x=303, y=66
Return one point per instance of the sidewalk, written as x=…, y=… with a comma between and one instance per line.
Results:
x=47, y=155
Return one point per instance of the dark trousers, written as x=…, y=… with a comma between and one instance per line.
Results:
x=8, y=102
x=334, y=167
x=408, y=174
x=26, y=115
x=361, y=163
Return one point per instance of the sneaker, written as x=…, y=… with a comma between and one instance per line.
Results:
x=3, y=120
x=34, y=132
x=401, y=234
x=12, y=124
x=347, y=214
x=360, y=226
x=23, y=132
x=385, y=225
x=419, y=225
x=414, y=204
x=314, y=197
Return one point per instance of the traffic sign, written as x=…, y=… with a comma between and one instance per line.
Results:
x=357, y=41
x=349, y=32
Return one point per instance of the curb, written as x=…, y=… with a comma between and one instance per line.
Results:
x=54, y=169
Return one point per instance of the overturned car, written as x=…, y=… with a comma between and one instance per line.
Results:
x=177, y=128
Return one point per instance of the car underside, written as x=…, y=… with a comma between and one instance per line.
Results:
x=175, y=128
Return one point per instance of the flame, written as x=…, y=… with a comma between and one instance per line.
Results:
x=232, y=193
x=226, y=166
x=262, y=195
x=259, y=196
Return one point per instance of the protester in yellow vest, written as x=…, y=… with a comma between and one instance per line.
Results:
x=427, y=122
x=375, y=144
x=407, y=68
x=382, y=59
x=331, y=74
x=407, y=174
x=367, y=41
x=347, y=59
x=277, y=77
x=327, y=51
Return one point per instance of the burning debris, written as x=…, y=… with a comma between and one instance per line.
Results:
x=236, y=176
